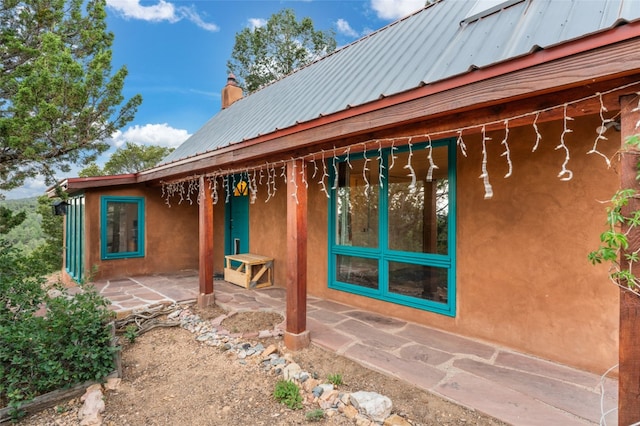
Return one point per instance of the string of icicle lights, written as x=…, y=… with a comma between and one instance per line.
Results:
x=222, y=182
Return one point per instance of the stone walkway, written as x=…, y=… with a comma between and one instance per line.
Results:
x=507, y=385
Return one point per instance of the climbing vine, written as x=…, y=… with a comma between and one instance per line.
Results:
x=614, y=241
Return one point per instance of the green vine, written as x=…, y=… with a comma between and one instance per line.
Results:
x=614, y=242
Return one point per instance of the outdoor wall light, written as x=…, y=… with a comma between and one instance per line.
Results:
x=59, y=208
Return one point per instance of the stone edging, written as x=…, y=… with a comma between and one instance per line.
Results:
x=365, y=408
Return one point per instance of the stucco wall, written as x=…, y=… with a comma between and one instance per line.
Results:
x=523, y=279
x=218, y=237
x=171, y=235
x=268, y=229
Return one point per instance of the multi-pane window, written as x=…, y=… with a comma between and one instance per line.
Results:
x=393, y=235
x=122, y=227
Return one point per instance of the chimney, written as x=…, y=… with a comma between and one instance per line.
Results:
x=231, y=92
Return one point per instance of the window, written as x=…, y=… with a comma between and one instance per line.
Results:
x=122, y=227
x=393, y=236
x=74, y=255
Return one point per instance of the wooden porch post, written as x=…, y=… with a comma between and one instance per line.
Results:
x=629, y=344
x=296, y=335
x=205, y=232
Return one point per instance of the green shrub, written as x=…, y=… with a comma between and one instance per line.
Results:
x=288, y=393
x=69, y=342
x=314, y=415
x=131, y=333
x=335, y=379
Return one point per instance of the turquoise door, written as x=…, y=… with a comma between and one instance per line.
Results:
x=237, y=216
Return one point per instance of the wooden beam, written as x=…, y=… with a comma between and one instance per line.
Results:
x=205, y=231
x=296, y=334
x=629, y=342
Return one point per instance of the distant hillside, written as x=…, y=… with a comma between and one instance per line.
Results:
x=28, y=235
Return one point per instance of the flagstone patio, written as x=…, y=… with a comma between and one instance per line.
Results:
x=507, y=385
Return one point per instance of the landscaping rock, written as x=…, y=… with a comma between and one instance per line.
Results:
x=90, y=412
x=373, y=405
x=396, y=420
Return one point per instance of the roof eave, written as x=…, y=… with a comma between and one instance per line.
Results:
x=71, y=185
x=424, y=89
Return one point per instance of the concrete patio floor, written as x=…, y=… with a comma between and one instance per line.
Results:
x=507, y=385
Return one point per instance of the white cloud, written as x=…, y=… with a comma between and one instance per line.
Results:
x=192, y=15
x=256, y=23
x=162, y=11
x=394, y=9
x=150, y=134
x=344, y=28
x=31, y=188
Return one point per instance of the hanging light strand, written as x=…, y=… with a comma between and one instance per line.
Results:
x=460, y=143
x=183, y=188
x=365, y=169
x=507, y=152
x=565, y=174
x=432, y=165
x=600, y=130
x=488, y=189
x=538, y=135
x=412, y=173
x=293, y=180
x=324, y=175
x=380, y=165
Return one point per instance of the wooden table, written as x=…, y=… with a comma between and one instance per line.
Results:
x=254, y=271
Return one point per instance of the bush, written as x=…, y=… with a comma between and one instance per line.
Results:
x=68, y=342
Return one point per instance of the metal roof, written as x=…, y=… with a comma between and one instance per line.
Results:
x=438, y=42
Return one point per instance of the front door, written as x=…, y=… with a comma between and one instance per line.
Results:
x=237, y=216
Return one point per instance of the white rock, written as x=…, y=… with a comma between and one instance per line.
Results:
x=376, y=406
x=291, y=370
x=89, y=413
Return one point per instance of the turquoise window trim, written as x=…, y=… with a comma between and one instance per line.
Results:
x=139, y=201
x=384, y=255
x=74, y=237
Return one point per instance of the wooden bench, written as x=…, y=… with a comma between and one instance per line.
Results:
x=254, y=271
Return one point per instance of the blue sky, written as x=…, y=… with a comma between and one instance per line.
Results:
x=176, y=54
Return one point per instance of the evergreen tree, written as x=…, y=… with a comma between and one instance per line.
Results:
x=58, y=98
x=270, y=52
x=128, y=159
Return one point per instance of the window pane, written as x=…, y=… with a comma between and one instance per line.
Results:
x=122, y=227
x=357, y=203
x=357, y=271
x=424, y=282
x=418, y=212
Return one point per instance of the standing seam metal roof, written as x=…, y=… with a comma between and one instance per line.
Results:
x=430, y=45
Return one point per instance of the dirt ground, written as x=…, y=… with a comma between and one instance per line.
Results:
x=169, y=378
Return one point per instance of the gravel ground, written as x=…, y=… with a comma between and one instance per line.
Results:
x=169, y=378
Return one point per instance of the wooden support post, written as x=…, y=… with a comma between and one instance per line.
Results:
x=205, y=231
x=296, y=335
x=629, y=344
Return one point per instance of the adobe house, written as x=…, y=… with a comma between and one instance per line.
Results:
x=449, y=169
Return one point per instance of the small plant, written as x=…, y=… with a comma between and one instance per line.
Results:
x=335, y=379
x=131, y=333
x=315, y=415
x=61, y=409
x=288, y=393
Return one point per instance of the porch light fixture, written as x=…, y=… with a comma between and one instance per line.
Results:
x=59, y=208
